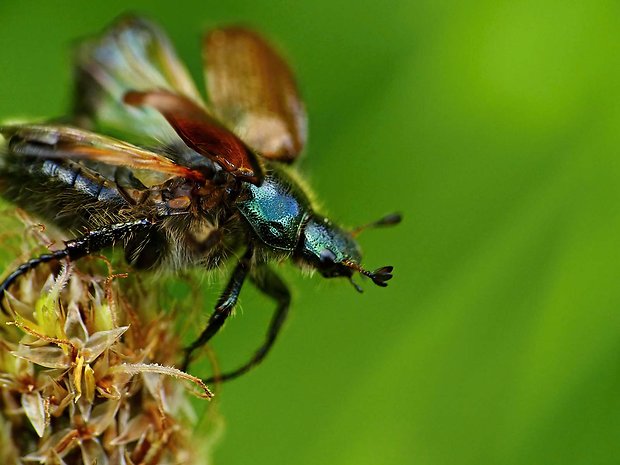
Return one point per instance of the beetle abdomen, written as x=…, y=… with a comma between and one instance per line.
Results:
x=76, y=177
x=64, y=192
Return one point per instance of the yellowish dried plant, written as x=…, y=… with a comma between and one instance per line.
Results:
x=87, y=373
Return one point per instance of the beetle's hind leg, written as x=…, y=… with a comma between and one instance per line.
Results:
x=272, y=285
x=223, y=309
x=74, y=249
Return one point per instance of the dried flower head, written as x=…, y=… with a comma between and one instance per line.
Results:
x=86, y=374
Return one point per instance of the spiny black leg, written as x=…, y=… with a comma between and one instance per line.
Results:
x=223, y=309
x=269, y=283
x=74, y=249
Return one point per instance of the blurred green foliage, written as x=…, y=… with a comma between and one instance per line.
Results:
x=494, y=127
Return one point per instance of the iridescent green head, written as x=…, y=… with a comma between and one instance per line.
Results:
x=334, y=252
x=281, y=216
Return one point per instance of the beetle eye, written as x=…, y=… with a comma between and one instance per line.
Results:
x=327, y=257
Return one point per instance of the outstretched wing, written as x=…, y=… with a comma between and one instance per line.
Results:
x=66, y=142
x=130, y=83
x=252, y=90
x=202, y=133
x=131, y=55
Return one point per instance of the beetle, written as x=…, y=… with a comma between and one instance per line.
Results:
x=176, y=181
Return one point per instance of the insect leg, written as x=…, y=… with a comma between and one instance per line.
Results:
x=273, y=286
x=78, y=248
x=224, y=307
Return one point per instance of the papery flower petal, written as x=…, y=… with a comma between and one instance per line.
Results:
x=35, y=411
x=93, y=453
x=57, y=445
x=55, y=459
x=101, y=341
x=47, y=356
x=143, y=445
x=77, y=376
x=60, y=408
x=17, y=307
x=74, y=327
x=61, y=396
x=84, y=408
x=76, y=288
x=153, y=382
x=133, y=430
x=103, y=415
x=89, y=383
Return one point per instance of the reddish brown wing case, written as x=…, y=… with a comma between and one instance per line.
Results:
x=201, y=133
x=253, y=92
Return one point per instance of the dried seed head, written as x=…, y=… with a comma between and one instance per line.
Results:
x=82, y=384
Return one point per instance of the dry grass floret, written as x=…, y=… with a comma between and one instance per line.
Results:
x=86, y=375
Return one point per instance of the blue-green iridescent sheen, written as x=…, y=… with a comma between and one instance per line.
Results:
x=276, y=211
x=320, y=234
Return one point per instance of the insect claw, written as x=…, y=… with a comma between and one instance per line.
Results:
x=356, y=286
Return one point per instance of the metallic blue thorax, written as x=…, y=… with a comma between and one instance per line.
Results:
x=276, y=210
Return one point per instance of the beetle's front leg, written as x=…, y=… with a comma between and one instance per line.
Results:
x=224, y=307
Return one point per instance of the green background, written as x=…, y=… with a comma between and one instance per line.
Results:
x=494, y=127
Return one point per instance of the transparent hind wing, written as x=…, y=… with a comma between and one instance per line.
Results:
x=132, y=55
x=49, y=141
